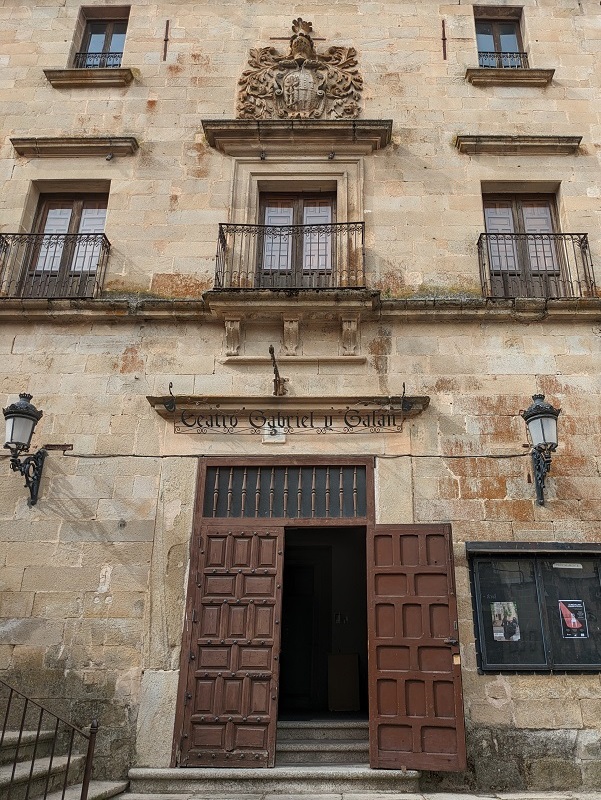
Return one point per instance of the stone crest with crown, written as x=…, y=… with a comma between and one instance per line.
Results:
x=303, y=84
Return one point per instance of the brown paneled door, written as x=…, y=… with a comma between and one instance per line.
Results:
x=415, y=702
x=233, y=620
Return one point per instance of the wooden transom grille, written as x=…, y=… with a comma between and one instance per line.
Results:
x=267, y=492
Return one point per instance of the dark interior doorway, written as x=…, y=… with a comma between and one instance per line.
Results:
x=323, y=668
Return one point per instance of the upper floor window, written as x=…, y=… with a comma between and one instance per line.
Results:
x=524, y=254
x=499, y=39
x=102, y=39
x=66, y=254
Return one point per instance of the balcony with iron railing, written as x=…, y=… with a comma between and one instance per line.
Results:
x=544, y=265
x=97, y=60
x=499, y=60
x=41, y=265
x=329, y=256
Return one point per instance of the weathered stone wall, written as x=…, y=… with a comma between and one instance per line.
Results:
x=92, y=581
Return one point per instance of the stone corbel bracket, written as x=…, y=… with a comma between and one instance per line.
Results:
x=518, y=145
x=74, y=146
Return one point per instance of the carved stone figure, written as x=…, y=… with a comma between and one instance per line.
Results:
x=303, y=84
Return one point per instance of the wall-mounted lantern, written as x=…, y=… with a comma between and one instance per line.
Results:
x=541, y=419
x=21, y=418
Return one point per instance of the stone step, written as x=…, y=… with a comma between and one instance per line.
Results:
x=27, y=744
x=322, y=751
x=289, y=730
x=97, y=790
x=201, y=782
x=43, y=773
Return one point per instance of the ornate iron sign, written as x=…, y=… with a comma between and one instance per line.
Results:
x=303, y=84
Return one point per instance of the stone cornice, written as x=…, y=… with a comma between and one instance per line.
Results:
x=481, y=76
x=517, y=145
x=74, y=78
x=71, y=146
x=244, y=137
x=440, y=309
x=411, y=405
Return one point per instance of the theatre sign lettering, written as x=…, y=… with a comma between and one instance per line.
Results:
x=288, y=415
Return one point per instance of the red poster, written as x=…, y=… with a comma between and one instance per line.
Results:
x=572, y=614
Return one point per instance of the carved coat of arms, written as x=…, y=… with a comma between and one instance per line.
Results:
x=303, y=84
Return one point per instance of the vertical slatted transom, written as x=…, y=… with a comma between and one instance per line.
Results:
x=231, y=694
x=415, y=703
x=285, y=492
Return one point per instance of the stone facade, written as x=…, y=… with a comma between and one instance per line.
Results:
x=93, y=579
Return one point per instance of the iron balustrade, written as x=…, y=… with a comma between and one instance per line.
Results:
x=97, y=60
x=48, y=745
x=52, y=265
x=498, y=60
x=548, y=265
x=290, y=256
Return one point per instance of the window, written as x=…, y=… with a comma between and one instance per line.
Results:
x=523, y=244
x=498, y=38
x=298, y=239
x=537, y=611
x=103, y=38
x=64, y=254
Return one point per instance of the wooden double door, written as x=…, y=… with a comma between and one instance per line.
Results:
x=230, y=669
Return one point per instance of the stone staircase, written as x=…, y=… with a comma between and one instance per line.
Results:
x=31, y=767
x=312, y=758
x=314, y=742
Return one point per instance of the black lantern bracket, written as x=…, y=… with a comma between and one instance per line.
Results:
x=31, y=469
x=541, y=419
x=21, y=418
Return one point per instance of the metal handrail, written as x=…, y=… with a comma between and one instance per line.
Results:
x=45, y=265
x=317, y=256
x=22, y=709
x=546, y=265
x=97, y=60
x=499, y=60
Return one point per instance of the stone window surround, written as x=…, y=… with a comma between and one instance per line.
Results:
x=342, y=175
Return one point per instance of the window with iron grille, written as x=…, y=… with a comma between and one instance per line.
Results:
x=499, y=38
x=103, y=38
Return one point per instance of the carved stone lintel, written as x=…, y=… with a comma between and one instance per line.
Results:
x=303, y=84
x=232, y=336
x=291, y=339
x=350, y=335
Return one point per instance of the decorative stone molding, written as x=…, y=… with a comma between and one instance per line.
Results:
x=350, y=334
x=262, y=305
x=72, y=146
x=518, y=145
x=265, y=138
x=75, y=78
x=303, y=84
x=482, y=76
x=291, y=338
x=232, y=335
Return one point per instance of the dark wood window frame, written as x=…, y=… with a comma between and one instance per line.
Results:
x=501, y=59
x=52, y=247
x=294, y=262
x=517, y=199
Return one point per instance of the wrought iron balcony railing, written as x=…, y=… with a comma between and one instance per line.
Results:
x=549, y=265
x=496, y=60
x=52, y=265
x=290, y=256
x=97, y=60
